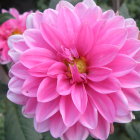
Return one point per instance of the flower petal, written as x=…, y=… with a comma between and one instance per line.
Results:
x=69, y=117
x=29, y=108
x=34, y=39
x=133, y=97
x=131, y=80
x=42, y=126
x=84, y=42
x=104, y=105
x=122, y=65
x=47, y=90
x=57, y=69
x=46, y=110
x=128, y=49
x=19, y=71
x=102, y=130
x=62, y=4
x=120, y=103
x=30, y=86
x=59, y=130
x=17, y=98
x=76, y=132
x=68, y=24
x=98, y=74
x=102, y=55
x=90, y=117
x=106, y=86
x=15, y=85
x=79, y=97
x=33, y=57
x=63, y=85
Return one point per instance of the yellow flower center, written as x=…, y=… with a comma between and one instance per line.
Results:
x=80, y=64
x=16, y=31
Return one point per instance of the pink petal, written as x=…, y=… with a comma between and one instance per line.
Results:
x=128, y=49
x=80, y=10
x=102, y=55
x=15, y=85
x=57, y=68
x=69, y=117
x=76, y=132
x=59, y=130
x=17, y=98
x=89, y=3
x=63, y=85
x=118, y=36
x=122, y=65
x=132, y=31
x=62, y=4
x=98, y=74
x=30, y=108
x=30, y=86
x=33, y=57
x=120, y=103
x=14, y=12
x=108, y=14
x=137, y=69
x=79, y=97
x=84, y=42
x=45, y=110
x=17, y=42
x=68, y=24
x=34, y=39
x=19, y=71
x=137, y=56
x=102, y=130
x=29, y=21
x=104, y=105
x=47, y=90
x=42, y=126
x=93, y=13
x=106, y=86
x=90, y=117
x=124, y=119
x=48, y=30
x=37, y=18
x=40, y=70
x=133, y=97
x=131, y=80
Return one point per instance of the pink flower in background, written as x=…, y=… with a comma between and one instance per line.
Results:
x=76, y=70
x=8, y=28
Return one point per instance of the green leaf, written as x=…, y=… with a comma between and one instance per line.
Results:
x=16, y=126
x=3, y=88
x=124, y=10
x=133, y=130
x=4, y=17
x=53, y=3
x=47, y=136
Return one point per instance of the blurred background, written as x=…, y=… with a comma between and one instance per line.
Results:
x=13, y=126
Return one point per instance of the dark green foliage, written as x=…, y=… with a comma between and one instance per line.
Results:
x=18, y=127
x=4, y=17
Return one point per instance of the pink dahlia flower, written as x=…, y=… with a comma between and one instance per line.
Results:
x=8, y=28
x=76, y=70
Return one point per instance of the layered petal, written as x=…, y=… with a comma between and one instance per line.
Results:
x=104, y=105
x=76, y=132
x=102, y=130
x=46, y=110
x=79, y=97
x=47, y=94
x=69, y=117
